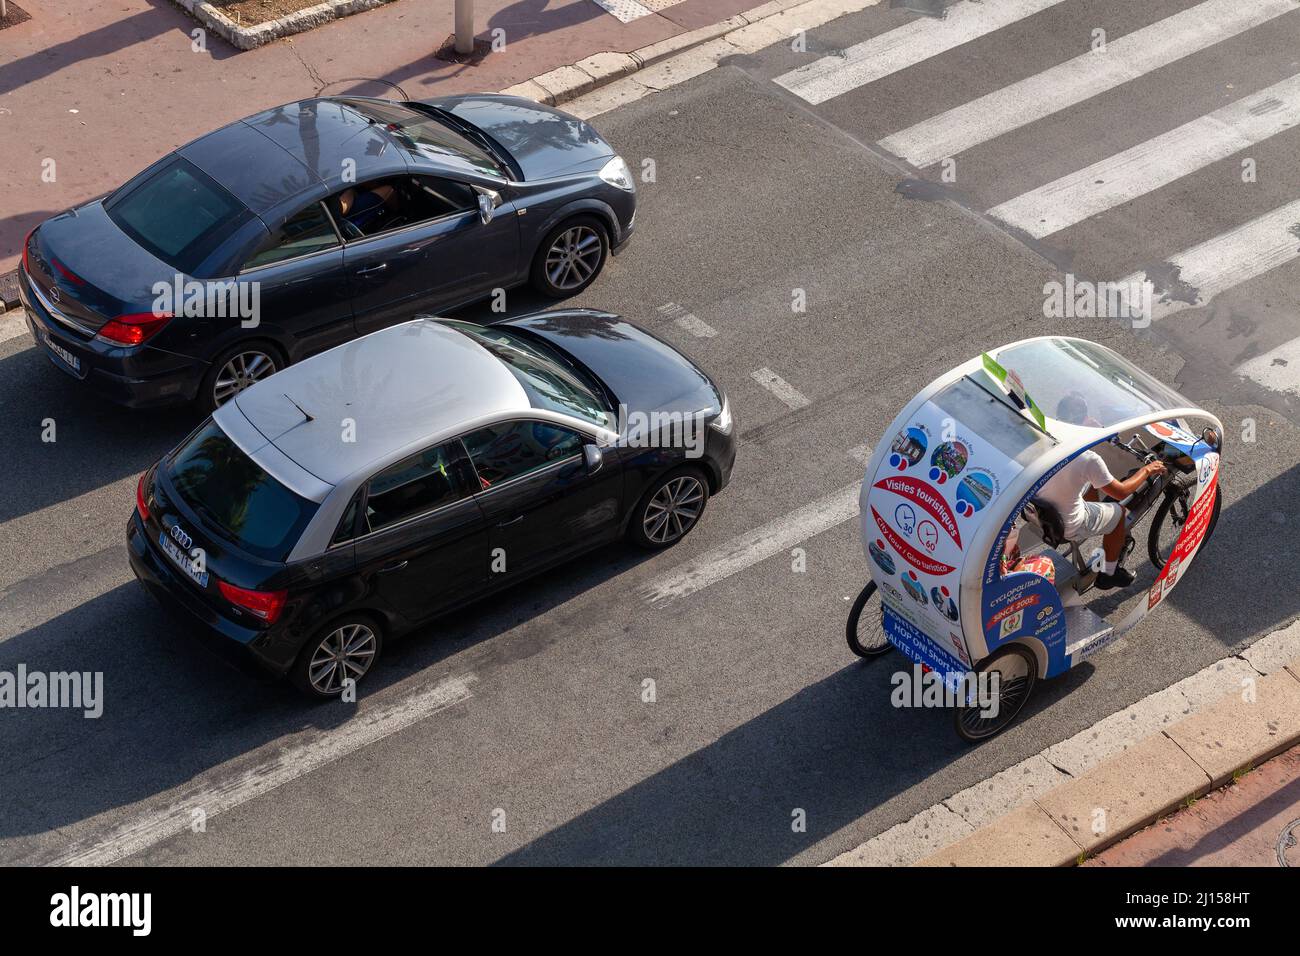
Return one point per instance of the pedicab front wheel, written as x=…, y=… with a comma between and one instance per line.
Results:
x=1016, y=670
x=865, y=632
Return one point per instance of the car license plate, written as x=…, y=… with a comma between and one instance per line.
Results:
x=71, y=360
x=182, y=560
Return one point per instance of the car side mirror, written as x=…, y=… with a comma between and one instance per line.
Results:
x=488, y=200
x=1210, y=437
x=594, y=458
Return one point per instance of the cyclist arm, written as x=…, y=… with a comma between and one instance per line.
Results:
x=1118, y=490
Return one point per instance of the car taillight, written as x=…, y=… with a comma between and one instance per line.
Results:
x=264, y=604
x=133, y=329
x=140, y=504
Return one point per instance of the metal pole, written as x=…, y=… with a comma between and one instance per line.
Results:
x=464, y=26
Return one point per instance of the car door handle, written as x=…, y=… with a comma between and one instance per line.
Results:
x=378, y=268
x=395, y=566
x=506, y=524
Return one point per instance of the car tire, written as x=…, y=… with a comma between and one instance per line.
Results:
x=252, y=356
x=358, y=633
x=571, y=238
x=681, y=496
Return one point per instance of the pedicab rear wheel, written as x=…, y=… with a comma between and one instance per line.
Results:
x=1017, y=671
x=865, y=632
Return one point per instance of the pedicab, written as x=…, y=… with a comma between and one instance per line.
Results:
x=972, y=574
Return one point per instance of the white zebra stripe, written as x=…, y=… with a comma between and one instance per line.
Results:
x=1227, y=260
x=1157, y=162
x=905, y=46
x=1126, y=58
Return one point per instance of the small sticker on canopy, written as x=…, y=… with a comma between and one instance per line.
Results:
x=1015, y=388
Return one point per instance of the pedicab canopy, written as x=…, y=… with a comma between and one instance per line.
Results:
x=945, y=493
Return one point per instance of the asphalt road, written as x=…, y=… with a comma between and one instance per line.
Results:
x=520, y=732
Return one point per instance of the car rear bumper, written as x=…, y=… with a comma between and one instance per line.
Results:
x=135, y=377
x=240, y=646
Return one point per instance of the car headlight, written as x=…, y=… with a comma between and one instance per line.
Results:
x=616, y=173
x=722, y=422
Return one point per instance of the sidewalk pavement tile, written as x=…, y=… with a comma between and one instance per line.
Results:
x=1236, y=732
x=1024, y=837
x=1124, y=792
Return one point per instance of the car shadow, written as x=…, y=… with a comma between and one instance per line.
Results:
x=172, y=711
x=94, y=441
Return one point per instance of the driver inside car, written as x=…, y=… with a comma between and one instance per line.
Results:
x=1073, y=491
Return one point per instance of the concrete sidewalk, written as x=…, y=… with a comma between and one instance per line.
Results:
x=105, y=90
x=1253, y=822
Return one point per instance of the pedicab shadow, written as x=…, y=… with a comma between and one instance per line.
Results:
x=838, y=751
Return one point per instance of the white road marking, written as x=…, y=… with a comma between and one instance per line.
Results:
x=1155, y=163
x=1278, y=369
x=758, y=545
x=905, y=46
x=217, y=796
x=13, y=323
x=686, y=320
x=697, y=327
x=779, y=387
x=1229, y=259
x=1126, y=58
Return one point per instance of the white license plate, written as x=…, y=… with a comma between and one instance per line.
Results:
x=182, y=560
x=60, y=351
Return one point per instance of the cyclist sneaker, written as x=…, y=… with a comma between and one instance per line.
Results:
x=1122, y=578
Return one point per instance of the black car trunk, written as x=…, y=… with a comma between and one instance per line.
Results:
x=85, y=271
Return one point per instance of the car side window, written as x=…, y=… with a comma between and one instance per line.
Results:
x=426, y=480
x=307, y=232
x=382, y=205
x=505, y=451
x=347, y=529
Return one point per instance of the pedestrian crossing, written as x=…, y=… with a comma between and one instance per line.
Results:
x=1027, y=124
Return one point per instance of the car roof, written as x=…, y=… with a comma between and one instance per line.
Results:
x=380, y=397
x=270, y=160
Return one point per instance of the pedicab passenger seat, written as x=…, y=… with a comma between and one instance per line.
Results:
x=1048, y=520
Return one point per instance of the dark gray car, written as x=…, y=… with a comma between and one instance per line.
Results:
x=306, y=225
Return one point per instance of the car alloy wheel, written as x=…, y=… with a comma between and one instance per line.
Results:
x=674, y=509
x=243, y=369
x=346, y=651
x=574, y=257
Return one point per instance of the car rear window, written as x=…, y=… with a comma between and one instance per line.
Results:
x=234, y=497
x=178, y=213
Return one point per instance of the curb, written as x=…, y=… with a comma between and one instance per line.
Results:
x=249, y=38
x=613, y=72
x=1137, y=787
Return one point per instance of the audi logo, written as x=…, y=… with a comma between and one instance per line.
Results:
x=180, y=537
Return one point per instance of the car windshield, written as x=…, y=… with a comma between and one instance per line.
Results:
x=178, y=214
x=236, y=499
x=421, y=133
x=1086, y=384
x=547, y=380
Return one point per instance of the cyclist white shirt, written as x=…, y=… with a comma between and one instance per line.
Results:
x=1065, y=490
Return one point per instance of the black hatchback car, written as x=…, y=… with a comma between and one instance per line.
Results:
x=288, y=232
x=399, y=476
